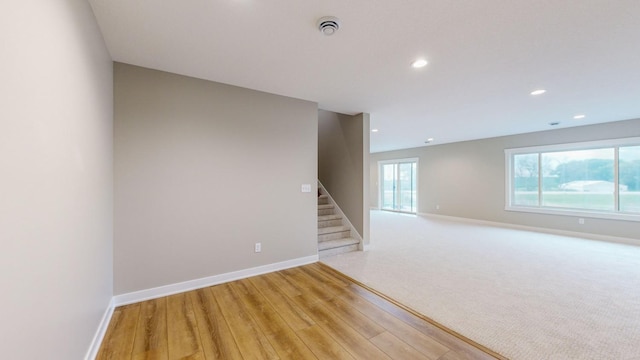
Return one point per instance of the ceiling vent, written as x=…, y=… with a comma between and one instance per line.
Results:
x=328, y=25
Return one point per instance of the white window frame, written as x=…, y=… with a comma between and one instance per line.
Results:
x=611, y=143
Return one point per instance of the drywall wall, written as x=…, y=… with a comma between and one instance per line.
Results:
x=56, y=188
x=343, y=143
x=366, y=186
x=203, y=171
x=445, y=171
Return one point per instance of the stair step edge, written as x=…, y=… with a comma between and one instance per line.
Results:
x=332, y=229
x=329, y=217
x=332, y=244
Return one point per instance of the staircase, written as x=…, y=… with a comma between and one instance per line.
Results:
x=333, y=236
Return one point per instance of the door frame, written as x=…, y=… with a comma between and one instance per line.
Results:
x=381, y=163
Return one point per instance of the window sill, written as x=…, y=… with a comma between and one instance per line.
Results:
x=575, y=213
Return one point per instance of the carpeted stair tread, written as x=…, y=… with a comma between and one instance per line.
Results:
x=332, y=244
x=332, y=229
x=329, y=217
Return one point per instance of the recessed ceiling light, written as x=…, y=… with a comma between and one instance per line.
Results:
x=538, y=92
x=420, y=63
x=374, y=130
x=580, y=116
x=429, y=140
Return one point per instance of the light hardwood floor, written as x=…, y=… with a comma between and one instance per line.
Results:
x=309, y=312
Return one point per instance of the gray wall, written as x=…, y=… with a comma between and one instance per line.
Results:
x=202, y=172
x=343, y=143
x=444, y=168
x=56, y=187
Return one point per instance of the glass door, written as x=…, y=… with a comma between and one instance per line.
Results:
x=399, y=186
x=389, y=186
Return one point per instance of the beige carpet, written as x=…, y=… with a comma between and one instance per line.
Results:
x=525, y=295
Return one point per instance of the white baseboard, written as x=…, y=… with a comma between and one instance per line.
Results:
x=598, y=237
x=102, y=330
x=171, y=289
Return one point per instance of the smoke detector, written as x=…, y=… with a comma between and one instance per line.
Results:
x=328, y=25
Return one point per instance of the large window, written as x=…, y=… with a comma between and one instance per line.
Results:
x=599, y=178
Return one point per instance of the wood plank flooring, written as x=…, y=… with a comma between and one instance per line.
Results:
x=308, y=312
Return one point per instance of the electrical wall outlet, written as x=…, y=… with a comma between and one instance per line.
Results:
x=258, y=247
x=581, y=221
x=437, y=207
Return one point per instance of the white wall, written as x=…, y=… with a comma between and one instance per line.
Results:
x=202, y=172
x=56, y=182
x=446, y=170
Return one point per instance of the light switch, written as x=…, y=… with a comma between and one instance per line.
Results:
x=306, y=187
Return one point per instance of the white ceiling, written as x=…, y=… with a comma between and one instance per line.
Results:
x=485, y=57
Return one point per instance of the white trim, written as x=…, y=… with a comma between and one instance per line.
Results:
x=585, y=145
x=589, y=236
x=153, y=293
x=508, y=181
x=403, y=160
x=102, y=330
x=354, y=233
x=575, y=212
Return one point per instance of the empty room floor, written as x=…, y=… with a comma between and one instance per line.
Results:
x=523, y=294
x=308, y=312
